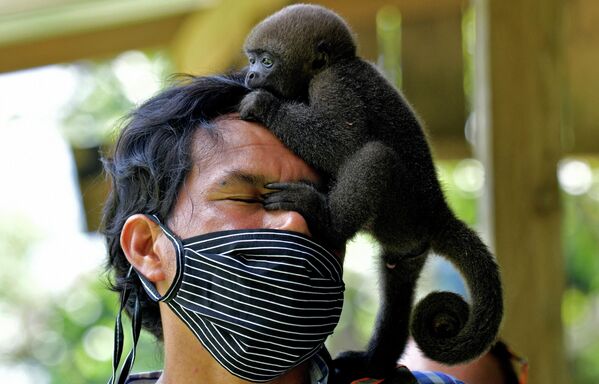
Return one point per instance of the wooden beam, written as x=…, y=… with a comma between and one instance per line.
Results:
x=433, y=71
x=581, y=132
x=59, y=31
x=94, y=44
x=211, y=41
x=432, y=62
x=40, y=32
x=518, y=109
x=60, y=18
x=358, y=10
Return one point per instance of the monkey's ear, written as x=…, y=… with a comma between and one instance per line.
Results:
x=323, y=46
x=321, y=57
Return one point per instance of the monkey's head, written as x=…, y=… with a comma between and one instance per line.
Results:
x=287, y=49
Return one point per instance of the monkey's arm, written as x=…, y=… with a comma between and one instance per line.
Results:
x=324, y=131
x=329, y=133
x=391, y=333
x=363, y=183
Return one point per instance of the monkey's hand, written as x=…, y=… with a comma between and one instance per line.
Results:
x=308, y=202
x=259, y=105
x=351, y=366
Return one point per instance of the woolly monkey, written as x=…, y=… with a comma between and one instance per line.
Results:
x=339, y=114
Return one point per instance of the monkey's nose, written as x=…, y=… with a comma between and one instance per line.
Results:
x=250, y=79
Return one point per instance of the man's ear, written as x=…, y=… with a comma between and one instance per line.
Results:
x=140, y=243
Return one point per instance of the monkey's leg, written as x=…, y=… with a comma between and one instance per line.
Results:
x=363, y=185
x=390, y=337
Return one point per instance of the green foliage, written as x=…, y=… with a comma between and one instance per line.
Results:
x=462, y=182
x=388, y=28
x=66, y=336
x=580, y=306
x=108, y=91
x=581, y=242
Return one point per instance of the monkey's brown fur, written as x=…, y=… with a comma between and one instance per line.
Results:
x=341, y=116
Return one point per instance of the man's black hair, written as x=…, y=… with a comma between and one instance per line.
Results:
x=506, y=359
x=151, y=159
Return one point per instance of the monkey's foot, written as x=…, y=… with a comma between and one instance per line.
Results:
x=351, y=366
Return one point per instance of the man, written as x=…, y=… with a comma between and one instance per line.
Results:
x=494, y=367
x=237, y=292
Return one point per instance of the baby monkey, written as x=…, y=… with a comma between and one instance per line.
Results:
x=339, y=114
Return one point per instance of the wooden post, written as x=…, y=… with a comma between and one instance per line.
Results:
x=518, y=115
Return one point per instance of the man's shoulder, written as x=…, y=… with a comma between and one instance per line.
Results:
x=434, y=377
x=143, y=377
x=423, y=377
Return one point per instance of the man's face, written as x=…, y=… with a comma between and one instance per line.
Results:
x=225, y=187
x=223, y=190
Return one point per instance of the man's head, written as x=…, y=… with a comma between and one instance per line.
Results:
x=493, y=367
x=186, y=163
x=151, y=160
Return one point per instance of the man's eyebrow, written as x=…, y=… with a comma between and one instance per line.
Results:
x=236, y=176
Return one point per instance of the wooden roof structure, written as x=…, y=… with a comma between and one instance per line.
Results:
x=537, y=87
x=38, y=32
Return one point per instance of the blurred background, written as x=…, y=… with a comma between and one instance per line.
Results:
x=508, y=92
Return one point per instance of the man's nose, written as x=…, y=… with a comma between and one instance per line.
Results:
x=287, y=221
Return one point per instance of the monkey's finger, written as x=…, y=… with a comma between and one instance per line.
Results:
x=283, y=206
x=299, y=187
x=277, y=197
x=279, y=186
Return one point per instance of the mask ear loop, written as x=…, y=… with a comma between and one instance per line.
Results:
x=180, y=260
x=119, y=337
x=137, y=316
x=135, y=330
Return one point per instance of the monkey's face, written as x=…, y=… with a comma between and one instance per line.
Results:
x=287, y=49
x=262, y=65
x=283, y=76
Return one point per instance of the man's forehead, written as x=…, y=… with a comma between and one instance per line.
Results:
x=228, y=131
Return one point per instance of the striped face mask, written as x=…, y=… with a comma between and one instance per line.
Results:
x=260, y=301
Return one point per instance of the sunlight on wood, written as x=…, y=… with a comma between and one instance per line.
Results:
x=210, y=41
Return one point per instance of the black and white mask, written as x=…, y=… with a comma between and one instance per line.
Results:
x=261, y=301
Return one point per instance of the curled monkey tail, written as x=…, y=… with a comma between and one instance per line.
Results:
x=444, y=326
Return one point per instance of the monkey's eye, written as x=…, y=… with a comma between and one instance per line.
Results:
x=252, y=60
x=267, y=62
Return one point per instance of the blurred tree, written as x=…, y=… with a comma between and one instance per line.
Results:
x=580, y=309
x=67, y=336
